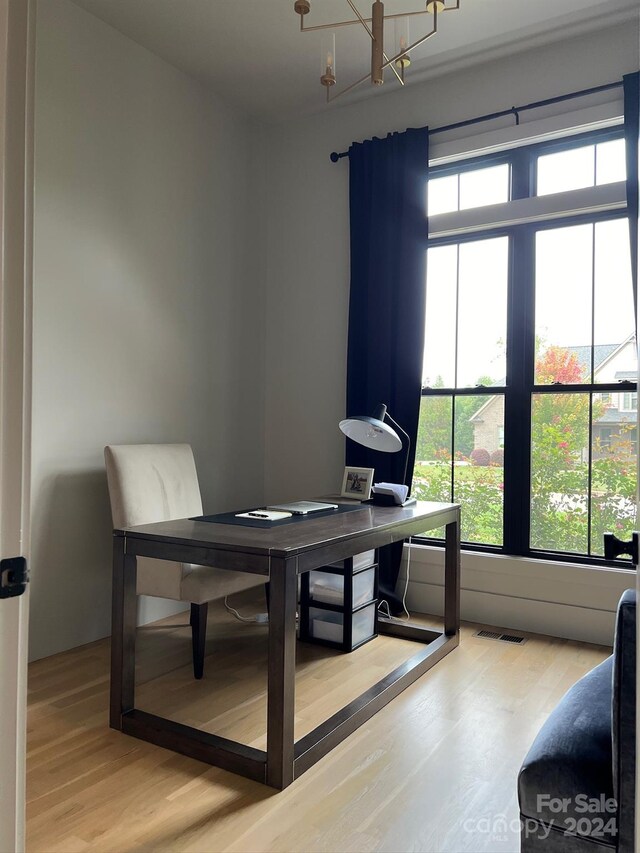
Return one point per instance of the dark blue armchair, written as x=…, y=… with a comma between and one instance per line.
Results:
x=576, y=787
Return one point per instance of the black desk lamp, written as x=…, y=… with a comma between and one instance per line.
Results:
x=374, y=433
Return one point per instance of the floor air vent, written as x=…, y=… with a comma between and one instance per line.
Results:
x=505, y=638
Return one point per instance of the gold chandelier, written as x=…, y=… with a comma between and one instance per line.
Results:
x=375, y=29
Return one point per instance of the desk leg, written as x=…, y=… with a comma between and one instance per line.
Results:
x=123, y=633
x=283, y=584
x=452, y=578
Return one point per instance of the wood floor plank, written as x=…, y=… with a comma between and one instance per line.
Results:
x=421, y=775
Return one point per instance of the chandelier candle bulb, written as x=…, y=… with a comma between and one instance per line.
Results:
x=403, y=60
x=328, y=60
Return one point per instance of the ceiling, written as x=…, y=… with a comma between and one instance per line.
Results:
x=253, y=55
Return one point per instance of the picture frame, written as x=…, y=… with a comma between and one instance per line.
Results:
x=356, y=483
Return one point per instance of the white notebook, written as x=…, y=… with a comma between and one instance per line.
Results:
x=302, y=507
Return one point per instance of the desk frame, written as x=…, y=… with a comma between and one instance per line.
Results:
x=285, y=758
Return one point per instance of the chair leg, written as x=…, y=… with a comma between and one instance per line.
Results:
x=267, y=595
x=198, y=636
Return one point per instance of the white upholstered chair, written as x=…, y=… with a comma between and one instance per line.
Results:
x=159, y=482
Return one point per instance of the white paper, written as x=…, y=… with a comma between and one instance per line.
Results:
x=264, y=515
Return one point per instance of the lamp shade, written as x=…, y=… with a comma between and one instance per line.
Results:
x=372, y=433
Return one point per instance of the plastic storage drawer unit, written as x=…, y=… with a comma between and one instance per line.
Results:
x=339, y=603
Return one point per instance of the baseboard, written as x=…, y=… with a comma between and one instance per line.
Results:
x=557, y=599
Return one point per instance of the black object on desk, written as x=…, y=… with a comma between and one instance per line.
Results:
x=232, y=517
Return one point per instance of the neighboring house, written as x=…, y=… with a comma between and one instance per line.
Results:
x=488, y=425
x=612, y=363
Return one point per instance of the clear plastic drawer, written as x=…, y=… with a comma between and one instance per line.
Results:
x=328, y=587
x=329, y=626
x=366, y=558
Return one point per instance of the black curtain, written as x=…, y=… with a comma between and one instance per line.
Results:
x=631, y=134
x=387, y=198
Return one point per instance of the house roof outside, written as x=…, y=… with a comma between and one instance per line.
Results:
x=602, y=353
x=614, y=416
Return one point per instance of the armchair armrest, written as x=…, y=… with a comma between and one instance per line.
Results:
x=624, y=720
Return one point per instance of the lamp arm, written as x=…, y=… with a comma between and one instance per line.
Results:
x=408, y=440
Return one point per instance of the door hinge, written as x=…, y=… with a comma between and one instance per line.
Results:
x=14, y=577
x=614, y=547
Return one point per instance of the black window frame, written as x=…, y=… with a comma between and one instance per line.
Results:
x=520, y=343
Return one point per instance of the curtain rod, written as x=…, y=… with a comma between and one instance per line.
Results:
x=515, y=111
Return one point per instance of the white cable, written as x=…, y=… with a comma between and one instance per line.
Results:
x=386, y=615
x=384, y=602
x=234, y=612
x=406, y=583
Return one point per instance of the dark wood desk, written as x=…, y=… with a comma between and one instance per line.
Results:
x=280, y=554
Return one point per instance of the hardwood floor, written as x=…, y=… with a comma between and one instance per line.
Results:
x=433, y=771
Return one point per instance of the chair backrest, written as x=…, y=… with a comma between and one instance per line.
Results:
x=151, y=482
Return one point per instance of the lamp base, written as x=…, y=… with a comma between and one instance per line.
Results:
x=388, y=500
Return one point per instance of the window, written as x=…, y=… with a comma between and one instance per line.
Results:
x=472, y=188
x=574, y=168
x=629, y=402
x=529, y=336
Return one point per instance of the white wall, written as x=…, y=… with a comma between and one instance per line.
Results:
x=148, y=323
x=306, y=247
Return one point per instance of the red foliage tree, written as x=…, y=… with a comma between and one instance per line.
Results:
x=559, y=365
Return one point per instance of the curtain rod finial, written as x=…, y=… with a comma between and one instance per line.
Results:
x=334, y=156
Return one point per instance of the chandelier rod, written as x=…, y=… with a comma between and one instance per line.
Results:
x=387, y=60
x=594, y=90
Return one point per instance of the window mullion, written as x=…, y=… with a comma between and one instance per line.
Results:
x=455, y=369
x=521, y=174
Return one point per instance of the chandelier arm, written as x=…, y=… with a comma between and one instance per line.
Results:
x=361, y=19
x=349, y=88
x=416, y=43
x=330, y=26
x=389, y=62
x=305, y=29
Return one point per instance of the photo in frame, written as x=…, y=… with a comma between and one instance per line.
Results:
x=357, y=483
